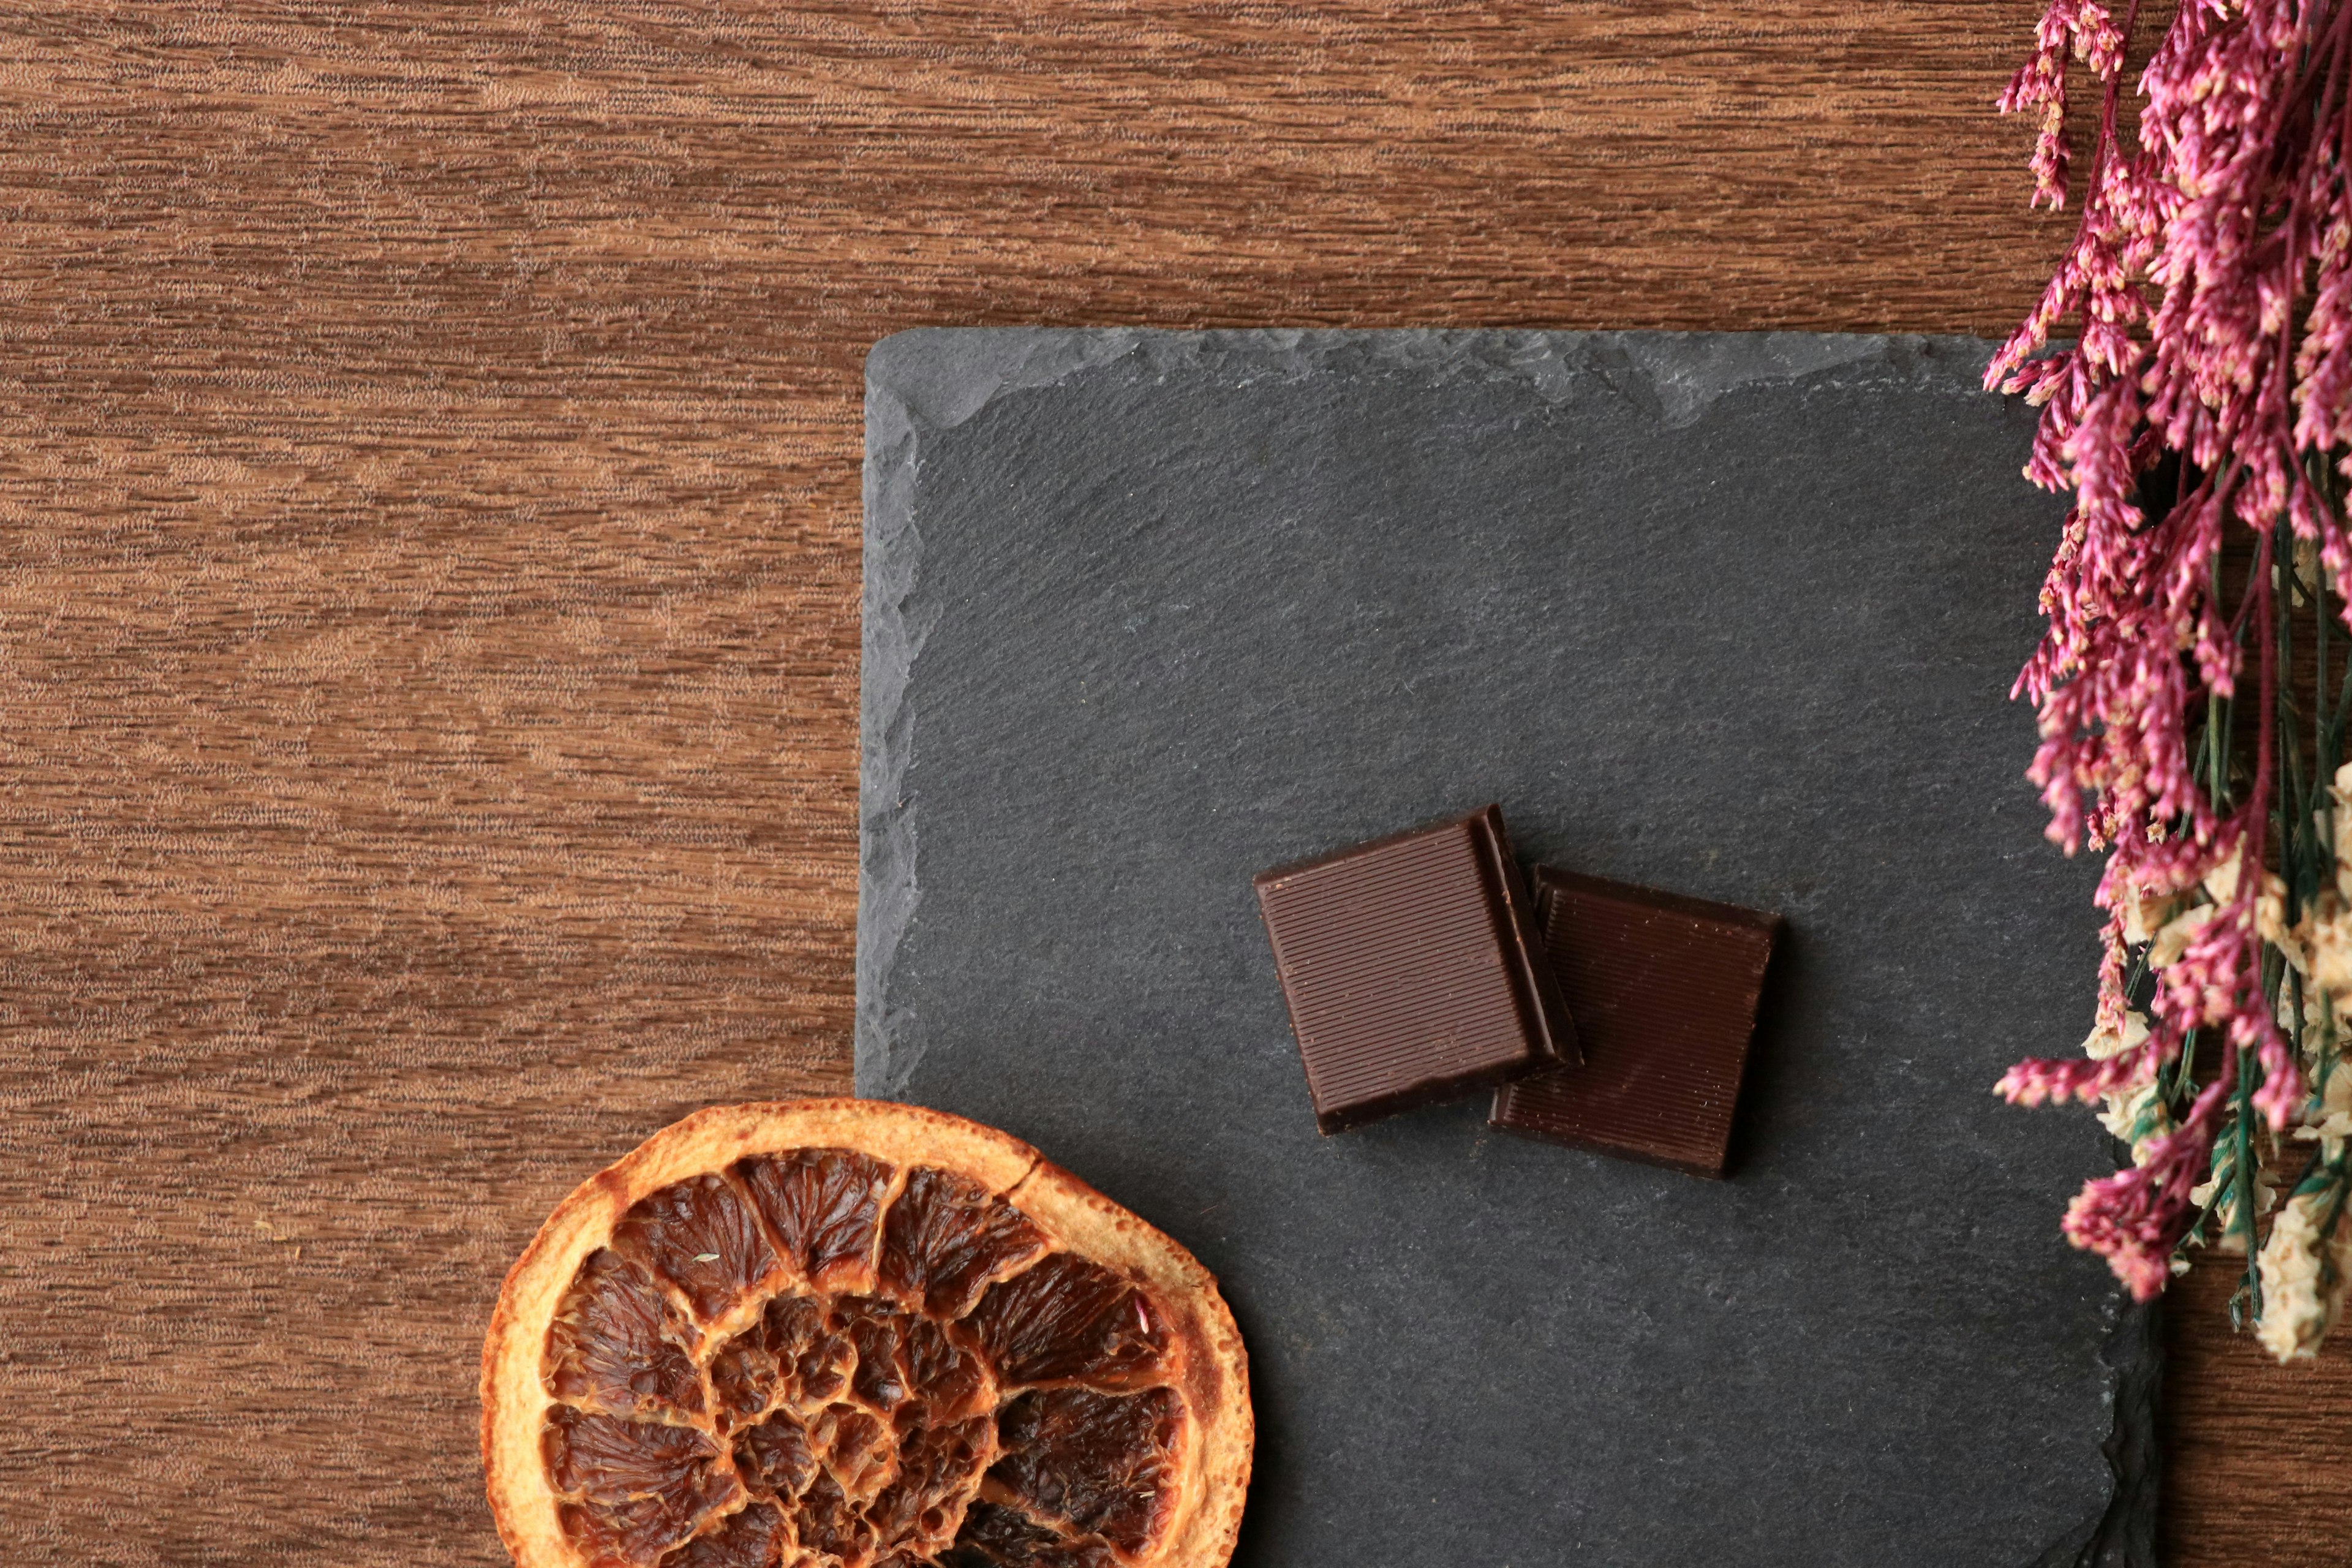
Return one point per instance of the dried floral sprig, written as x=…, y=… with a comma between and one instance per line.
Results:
x=2206, y=398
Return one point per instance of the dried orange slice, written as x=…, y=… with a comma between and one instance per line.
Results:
x=848, y=1334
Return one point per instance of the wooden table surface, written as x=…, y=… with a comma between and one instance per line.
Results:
x=429, y=446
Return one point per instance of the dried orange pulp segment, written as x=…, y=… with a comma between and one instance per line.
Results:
x=850, y=1333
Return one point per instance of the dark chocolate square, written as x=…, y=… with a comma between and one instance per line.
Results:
x=1665, y=990
x=1413, y=970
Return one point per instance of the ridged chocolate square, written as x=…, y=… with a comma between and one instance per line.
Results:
x=1413, y=970
x=1665, y=990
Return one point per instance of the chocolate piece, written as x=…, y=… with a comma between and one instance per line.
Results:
x=1413, y=969
x=1665, y=991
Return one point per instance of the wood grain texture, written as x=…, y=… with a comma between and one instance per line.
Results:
x=428, y=555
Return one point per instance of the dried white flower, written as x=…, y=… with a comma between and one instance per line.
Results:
x=2104, y=1042
x=2339, y=796
x=2143, y=913
x=2329, y=1122
x=2270, y=922
x=2229, y=1235
x=2303, y=1276
x=2221, y=881
x=2138, y=1116
x=2165, y=950
x=2337, y=1125
x=2307, y=570
x=2324, y=938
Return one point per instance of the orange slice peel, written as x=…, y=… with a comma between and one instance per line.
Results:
x=845, y=1333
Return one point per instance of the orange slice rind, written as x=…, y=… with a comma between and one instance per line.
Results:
x=849, y=1334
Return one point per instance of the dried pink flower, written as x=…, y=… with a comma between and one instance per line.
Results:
x=2210, y=285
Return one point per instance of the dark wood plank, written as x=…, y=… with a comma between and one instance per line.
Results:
x=2254, y=1466
x=428, y=465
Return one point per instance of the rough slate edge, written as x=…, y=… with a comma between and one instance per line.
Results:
x=935, y=379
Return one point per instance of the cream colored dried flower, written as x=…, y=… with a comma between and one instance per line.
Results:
x=2330, y=1131
x=2340, y=794
x=2228, y=1234
x=2330, y=1123
x=2270, y=921
x=2164, y=949
x=2303, y=1276
x=2143, y=912
x=2320, y=1039
x=2324, y=941
x=2137, y=1116
x=2221, y=881
x=2104, y=1042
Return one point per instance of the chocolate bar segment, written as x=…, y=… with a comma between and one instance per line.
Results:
x=1664, y=989
x=1414, y=970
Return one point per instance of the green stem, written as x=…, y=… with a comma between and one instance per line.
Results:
x=2242, y=1173
x=2183, y=1081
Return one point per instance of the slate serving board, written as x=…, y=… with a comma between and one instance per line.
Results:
x=1731, y=615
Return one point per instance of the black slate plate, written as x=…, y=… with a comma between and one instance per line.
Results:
x=1735, y=615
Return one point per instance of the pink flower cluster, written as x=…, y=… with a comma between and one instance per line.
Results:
x=2210, y=286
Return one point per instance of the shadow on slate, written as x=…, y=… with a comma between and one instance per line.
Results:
x=1733, y=615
